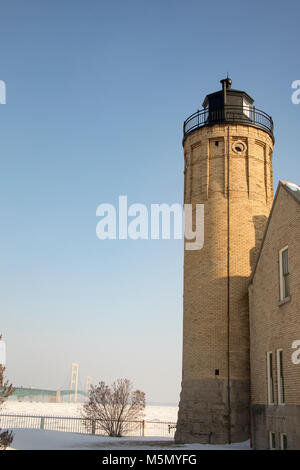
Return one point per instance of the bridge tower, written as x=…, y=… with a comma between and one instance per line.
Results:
x=74, y=381
x=228, y=149
x=88, y=383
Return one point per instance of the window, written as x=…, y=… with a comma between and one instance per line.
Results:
x=270, y=378
x=284, y=273
x=239, y=147
x=272, y=440
x=280, y=379
x=283, y=442
x=247, y=108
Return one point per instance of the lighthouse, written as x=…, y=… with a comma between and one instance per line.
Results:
x=228, y=147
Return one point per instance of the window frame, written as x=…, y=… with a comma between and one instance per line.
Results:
x=282, y=435
x=280, y=375
x=270, y=379
x=271, y=435
x=284, y=291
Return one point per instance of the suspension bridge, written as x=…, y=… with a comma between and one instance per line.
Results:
x=54, y=396
x=39, y=394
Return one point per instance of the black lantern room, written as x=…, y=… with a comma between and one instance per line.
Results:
x=228, y=106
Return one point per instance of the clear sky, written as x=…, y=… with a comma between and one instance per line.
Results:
x=97, y=93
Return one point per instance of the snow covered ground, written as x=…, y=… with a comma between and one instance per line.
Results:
x=35, y=439
x=152, y=412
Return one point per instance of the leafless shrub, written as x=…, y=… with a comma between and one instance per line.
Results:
x=114, y=409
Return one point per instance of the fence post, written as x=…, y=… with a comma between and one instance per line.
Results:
x=143, y=428
x=42, y=425
x=93, y=426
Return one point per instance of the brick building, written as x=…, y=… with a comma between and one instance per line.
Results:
x=274, y=299
x=228, y=147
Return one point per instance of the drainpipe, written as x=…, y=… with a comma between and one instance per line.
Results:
x=228, y=291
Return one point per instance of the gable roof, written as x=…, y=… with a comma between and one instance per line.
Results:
x=294, y=191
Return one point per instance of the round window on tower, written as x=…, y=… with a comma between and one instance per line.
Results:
x=239, y=147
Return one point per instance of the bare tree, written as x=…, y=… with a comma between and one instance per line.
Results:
x=6, y=389
x=114, y=409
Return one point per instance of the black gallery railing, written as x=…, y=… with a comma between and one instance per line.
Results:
x=246, y=115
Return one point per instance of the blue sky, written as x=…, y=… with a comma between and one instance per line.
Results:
x=96, y=96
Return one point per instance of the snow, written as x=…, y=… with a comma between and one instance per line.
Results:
x=152, y=412
x=293, y=187
x=35, y=439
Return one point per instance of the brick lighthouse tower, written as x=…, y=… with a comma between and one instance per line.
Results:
x=228, y=149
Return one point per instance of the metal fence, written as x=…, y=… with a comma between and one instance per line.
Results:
x=246, y=115
x=85, y=425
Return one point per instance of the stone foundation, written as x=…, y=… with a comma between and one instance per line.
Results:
x=204, y=415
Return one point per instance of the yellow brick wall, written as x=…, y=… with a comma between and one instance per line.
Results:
x=275, y=326
x=204, y=414
x=205, y=271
